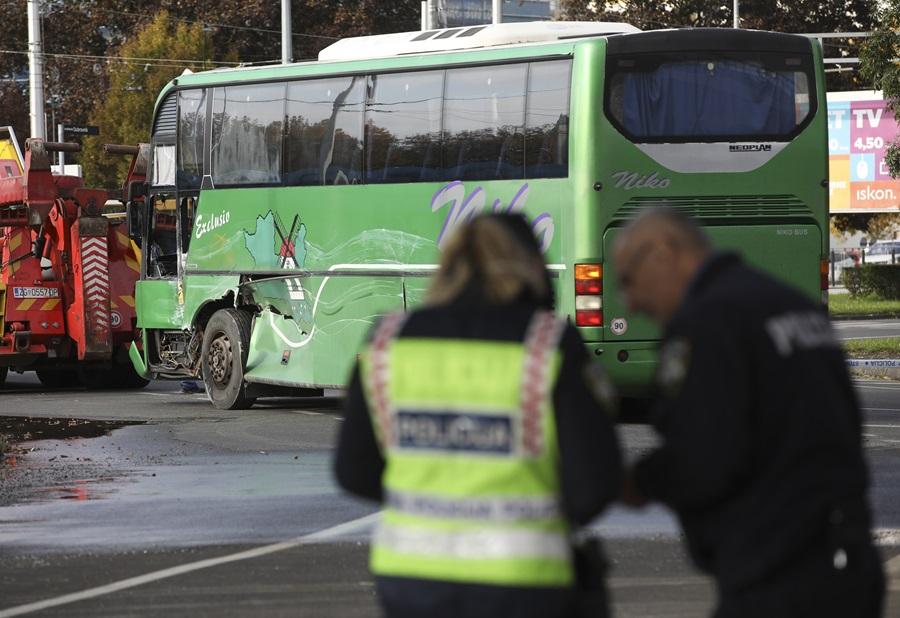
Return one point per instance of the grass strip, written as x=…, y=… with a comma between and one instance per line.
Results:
x=882, y=347
x=842, y=305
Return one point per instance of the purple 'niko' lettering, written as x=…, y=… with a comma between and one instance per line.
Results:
x=632, y=180
x=463, y=207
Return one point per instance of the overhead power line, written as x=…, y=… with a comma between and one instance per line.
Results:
x=128, y=59
x=215, y=25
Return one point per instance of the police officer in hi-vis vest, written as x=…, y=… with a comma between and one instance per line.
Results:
x=481, y=425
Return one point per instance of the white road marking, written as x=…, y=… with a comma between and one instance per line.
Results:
x=852, y=338
x=883, y=426
x=870, y=324
x=323, y=535
x=880, y=388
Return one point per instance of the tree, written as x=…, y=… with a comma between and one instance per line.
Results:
x=799, y=16
x=125, y=113
x=878, y=66
x=14, y=104
x=81, y=36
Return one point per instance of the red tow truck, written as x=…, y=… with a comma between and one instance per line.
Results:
x=67, y=272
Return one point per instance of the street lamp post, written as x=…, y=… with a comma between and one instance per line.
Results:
x=737, y=17
x=287, y=55
x=36, y=71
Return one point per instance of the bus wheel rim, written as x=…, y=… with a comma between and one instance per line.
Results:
x=220, y=360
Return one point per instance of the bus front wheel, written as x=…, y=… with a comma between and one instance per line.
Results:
x=226, y=342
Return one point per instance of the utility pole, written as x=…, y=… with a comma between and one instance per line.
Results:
x=497, y=11
x=61, y=137
x=287, y=55
x=737, y=16
x=429, y=14
x=36, y=70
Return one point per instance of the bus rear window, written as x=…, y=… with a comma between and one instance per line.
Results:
x=710, y=98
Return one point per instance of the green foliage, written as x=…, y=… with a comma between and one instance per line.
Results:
x=125, y=114
x=849, y=223
x=876, y=225
x=878, y=66
x=882, y=347
x=877, y=280
x=15, y=108
x=844, y=305
x=84, y=43
x=797, y=16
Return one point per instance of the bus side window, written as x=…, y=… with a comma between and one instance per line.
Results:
x=403, y=127
x=324, y=138
x=547, y=120
x=484, y=117
x=246, y=134
x=191, y=128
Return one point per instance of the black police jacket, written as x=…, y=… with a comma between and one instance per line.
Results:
x=760, y=427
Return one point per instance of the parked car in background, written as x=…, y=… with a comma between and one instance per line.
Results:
x=883, y=252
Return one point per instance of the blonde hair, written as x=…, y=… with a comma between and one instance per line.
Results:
x=489, y=258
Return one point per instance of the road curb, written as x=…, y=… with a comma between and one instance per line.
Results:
x=893, y=315
x=874, y=367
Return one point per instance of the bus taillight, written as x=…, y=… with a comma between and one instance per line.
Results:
x=588, y=294
x=823, y=275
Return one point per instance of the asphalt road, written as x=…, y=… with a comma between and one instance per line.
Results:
x=866, y=329
x=196, y=512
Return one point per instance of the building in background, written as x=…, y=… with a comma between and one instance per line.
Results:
x=454, y=13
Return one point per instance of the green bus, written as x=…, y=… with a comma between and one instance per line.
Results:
x=289, y=206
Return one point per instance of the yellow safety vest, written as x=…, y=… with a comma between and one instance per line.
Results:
x=468, y=434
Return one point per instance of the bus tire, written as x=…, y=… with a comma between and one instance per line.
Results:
x=121, y=375
x=226, y=341
x=3, y=372
x=128, y=378
x=58, y=378
x=96, y=378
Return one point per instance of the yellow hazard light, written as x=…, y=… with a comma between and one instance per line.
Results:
x=588, y=271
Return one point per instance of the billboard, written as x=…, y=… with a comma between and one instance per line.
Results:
x=11, y=163
x=860, y=127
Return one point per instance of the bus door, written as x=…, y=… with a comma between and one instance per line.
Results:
x=162, y=237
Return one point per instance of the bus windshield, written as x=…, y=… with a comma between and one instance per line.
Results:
x=711, y=97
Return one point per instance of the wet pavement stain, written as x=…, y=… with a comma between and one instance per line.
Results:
x=16, y=429
x=49, y=459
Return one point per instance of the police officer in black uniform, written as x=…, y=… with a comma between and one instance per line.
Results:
x=760, y=453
